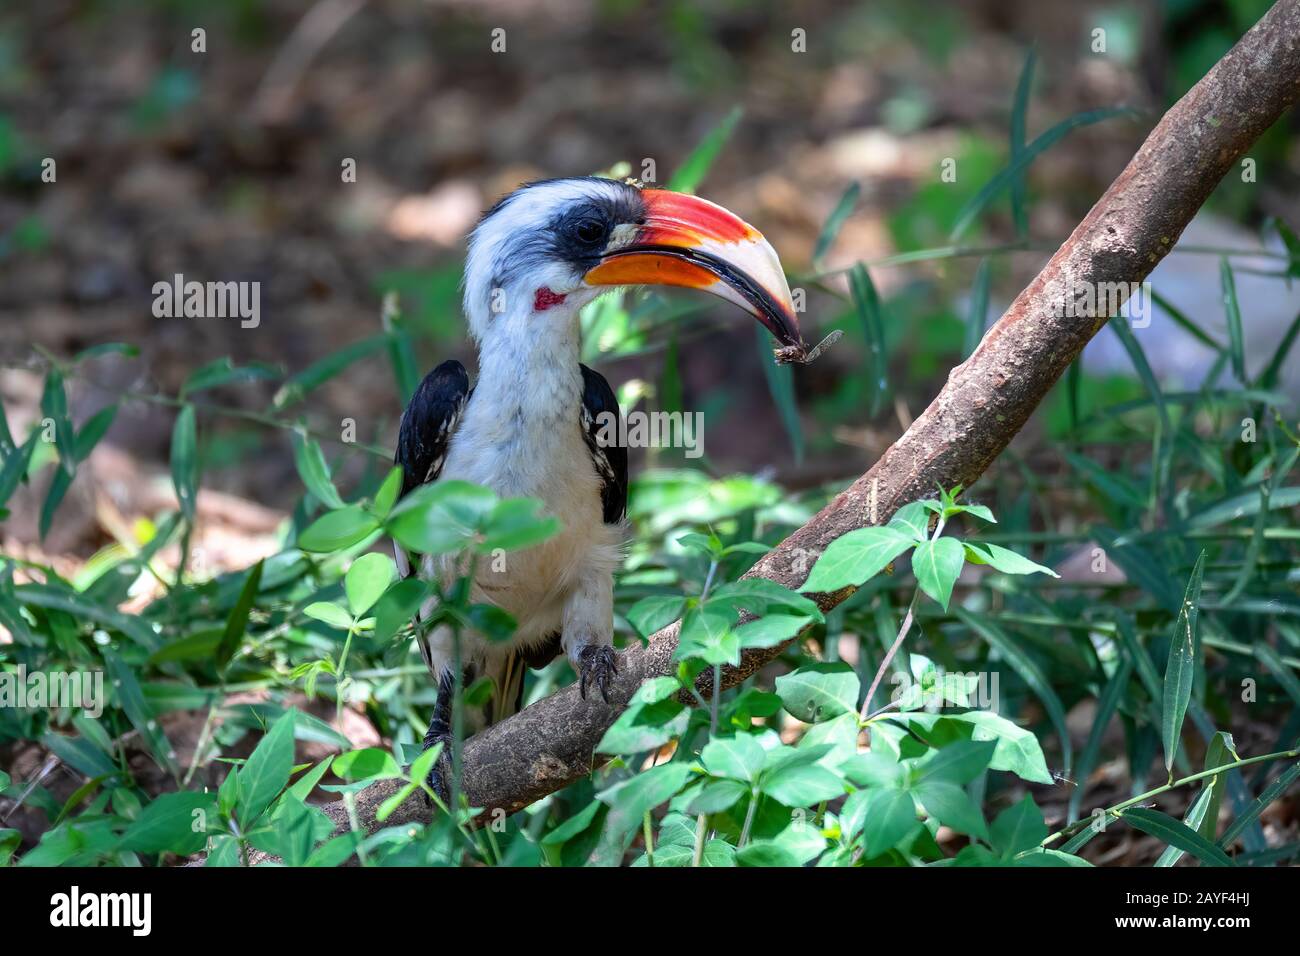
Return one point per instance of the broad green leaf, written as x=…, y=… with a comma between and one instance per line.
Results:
x=736, y=758
x=365, y=764
x=173, y=822
x=707, y=635
x=771, y=630
x=1180, y=669
x=959, y=762
x=645, y=727
x=913, y=519
x=937, y=565
x=330, y=614
x=854, y=557
x=651, y=613
x=1003, y=559
x=819, y=691
x=1019, y=827
x=761, y=596
x=336, y=530
x=952, y=806
x=891, y=817
x=795, y=778
x=366, y=581
x=266, y=771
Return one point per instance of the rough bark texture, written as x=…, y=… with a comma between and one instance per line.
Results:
x=985, y=402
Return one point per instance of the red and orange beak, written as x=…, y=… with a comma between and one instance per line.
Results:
x=691, y=242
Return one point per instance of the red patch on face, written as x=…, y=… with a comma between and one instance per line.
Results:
x=545, y=298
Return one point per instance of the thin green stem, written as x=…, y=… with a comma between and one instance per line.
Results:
x=1119, y=808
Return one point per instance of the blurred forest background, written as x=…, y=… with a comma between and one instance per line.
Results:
x=225, y=165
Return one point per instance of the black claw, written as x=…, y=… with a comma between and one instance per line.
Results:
x=596, y=662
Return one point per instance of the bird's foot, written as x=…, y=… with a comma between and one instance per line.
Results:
x=596, y=664
x=440, y=772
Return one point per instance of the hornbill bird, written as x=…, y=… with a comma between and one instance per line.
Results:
x=529, y=427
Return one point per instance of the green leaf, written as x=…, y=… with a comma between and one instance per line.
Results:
x=173, y=822
x=1180, y=669
x=54, y=405
x=314, y=471
x=835, y=221
x=952, y=806
x=735, y=758
x=1019, y=110
x=937, y=565
x=760, y=596
x=1177, y=834
x=890, y=819
x=237, y=623
x=1003, y=559
x=696, y=166
x=387, y=494
x=336, y=530
x=1232, y=310
x=645, y=726
x=1220, y=752
x=1259, y=804
x=853, y=558
x=1021, y=162
x=515, y=524
x=979, y=308
x=1019, y=827
x=707, y=635
x=366, y=581
x=913, y=519
x=871, y=316
x=959, y=762
x=329, y=613
x=441, y=517
x=223, y=371
x=651, y=613
x=794, y=777
x=771, y=630
x=365, y=764
x=184, y=458
x=819, y=691
x=320, y=372
x=266, y=771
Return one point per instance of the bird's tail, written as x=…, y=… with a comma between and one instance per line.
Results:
x=507, y=672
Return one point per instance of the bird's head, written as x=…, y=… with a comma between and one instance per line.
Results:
x=550, y=247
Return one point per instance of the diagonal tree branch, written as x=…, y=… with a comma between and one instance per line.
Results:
x=985, y=402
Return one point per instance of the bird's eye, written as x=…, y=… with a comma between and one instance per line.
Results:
x=589, y=231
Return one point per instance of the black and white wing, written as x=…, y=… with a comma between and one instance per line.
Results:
x=602, y=426
x=425, y=433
